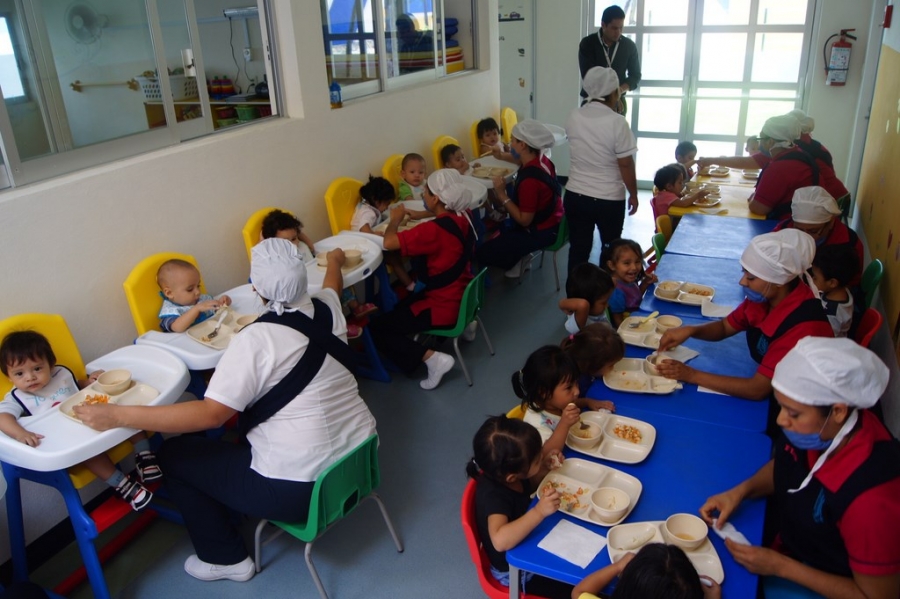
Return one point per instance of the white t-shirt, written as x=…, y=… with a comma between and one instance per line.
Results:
x=544, y=422
x=320, y=426
x=572, y=325
x=598, y=137
x=366, y=214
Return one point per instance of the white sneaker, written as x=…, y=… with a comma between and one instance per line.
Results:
x=470, y=331
x=239, y=572
x=438, y=365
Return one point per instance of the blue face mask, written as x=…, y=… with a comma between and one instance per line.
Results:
x=754, y=296
x=808, y=441
x=514, y=154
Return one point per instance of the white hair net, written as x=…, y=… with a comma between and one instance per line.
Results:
x=534, y=133
x=820, y=371
x=278, y=273
x=783, y=129
x=599, y=82
x=780, y=256
x=813, y=206
x=447, y=184
x=807, y=123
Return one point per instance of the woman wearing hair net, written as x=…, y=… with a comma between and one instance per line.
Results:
x=833, y=483
x=444, y=247
x=535, y=207
x=294, y=432
x=779, y=310
x=602, y=149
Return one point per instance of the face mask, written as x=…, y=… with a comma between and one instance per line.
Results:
x=514, y=154
x=809, y=441
x=755, y=296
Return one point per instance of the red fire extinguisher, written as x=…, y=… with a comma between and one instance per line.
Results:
x=839, y=63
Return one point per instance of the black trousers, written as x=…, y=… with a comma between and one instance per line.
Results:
x=505, y=250
x=584, y=213
x=391, y=332
x=209, y=479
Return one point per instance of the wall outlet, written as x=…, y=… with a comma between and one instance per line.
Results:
x=248, y=54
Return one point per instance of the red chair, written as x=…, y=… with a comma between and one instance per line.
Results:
x=868, y=325
x=492, y=588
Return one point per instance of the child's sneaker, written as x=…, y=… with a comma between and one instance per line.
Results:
x=134, y=493
x=354, y=331
x=147, y=466
x=364, y=310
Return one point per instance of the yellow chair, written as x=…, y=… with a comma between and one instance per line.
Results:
x=142, y=292
x=253, y=228
x=508, y=120
x=664, y=226
x=391, y=170
x=341, y=199
x=476, y=143
x=439, y=143
x=517, y=412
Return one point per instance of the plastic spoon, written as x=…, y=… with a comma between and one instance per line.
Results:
x=643, y=321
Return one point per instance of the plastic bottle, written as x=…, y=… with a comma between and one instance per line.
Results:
x=335, y=92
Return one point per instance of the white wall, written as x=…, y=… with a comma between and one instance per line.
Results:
x=69, y=243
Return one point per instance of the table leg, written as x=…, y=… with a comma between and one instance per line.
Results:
x=513, y=582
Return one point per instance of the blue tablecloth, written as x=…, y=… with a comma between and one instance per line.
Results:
x=714, y=236
x=721, y=274
x=690, y=461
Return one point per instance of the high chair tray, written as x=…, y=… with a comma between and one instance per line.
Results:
x=631, y=537
x=632, y=375
x=138, y=394
x=576, y=479
x=614, y=444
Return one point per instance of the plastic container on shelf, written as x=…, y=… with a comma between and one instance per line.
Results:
x=183, y=88
x=227, y=87
x=226, y=122
x=247, y=113
x=264, y=110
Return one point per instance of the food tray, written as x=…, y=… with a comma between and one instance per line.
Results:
x=362, y=248
x=708, y=201
x=487, y=172
x=576, y=474
x=720, y=171
x=226, y=332
x=625, y=538
x=750, y=174
x=138, y=394
x=692, y=294
x=613, y=448
x=642, y=336
x=632, y=375
x=404, y=226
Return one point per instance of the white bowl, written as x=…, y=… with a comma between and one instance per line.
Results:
x=666, y=322
x=685, y=530
x=668, y=289
x=654, y=359
x=587, y=438
x=352, y=257
x=609, y=503
x=113, y=382
x=322, y=259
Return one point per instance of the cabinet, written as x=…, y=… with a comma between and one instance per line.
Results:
x=224, y=114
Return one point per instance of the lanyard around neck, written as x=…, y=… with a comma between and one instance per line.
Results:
x=609, y=60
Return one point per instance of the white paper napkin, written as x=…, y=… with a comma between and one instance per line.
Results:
x=573, y=543
x=712, y=310
x=705, y=390
x=680, y=353
x=728, y=531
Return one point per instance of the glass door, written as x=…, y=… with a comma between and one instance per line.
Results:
x=722, y=66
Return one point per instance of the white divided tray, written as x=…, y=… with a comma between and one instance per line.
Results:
x=404, y=226
x=614, y=448
x=581, y=475
x=230, y=326
x=644, y=335
x=631, y=537
x=708, y=201
x=719, y=171
x=632, y=375
x=750, y=174
x=692, y=294
x=138, y=394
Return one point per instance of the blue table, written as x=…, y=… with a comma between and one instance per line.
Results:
x=690, y=462
x=714, y=236
x=722, y=274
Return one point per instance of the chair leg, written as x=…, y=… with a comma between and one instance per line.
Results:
x=462, y=362
x=555, y=269
x=542, y=259
x=387, y=521
x=485, y=335
x=307, y=555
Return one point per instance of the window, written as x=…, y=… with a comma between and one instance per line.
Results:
x=102, y=80
x=722, y=66
x=374, y=45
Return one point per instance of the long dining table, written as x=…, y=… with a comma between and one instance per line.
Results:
x=713, y=237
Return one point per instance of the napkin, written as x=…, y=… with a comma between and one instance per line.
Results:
x=728, y=531
x=573, y=543
x=705, y=390
x=713, y=310
x=680, y=353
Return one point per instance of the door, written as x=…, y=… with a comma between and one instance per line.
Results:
x=517, y=56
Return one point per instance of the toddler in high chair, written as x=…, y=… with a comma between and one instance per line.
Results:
x=595, y=349
x=39, y=384
x=669, y=180
x=453, y=157
x=551, y=398
x=623, y=259
x=183, y=304
x=412, y=184
x=588, y=290
x=488, y=132
x=832, y=270
x=285, y=225
x=508, y=465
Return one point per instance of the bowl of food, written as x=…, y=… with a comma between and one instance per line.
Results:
x=666, y=322
x=585, y=435
x=609, y=503
x=668, y=289
x=685, y=530
x=322, y=259
x=114, y=382
x=352, y=257
x=653, y=361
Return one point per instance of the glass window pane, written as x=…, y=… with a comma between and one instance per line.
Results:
x=410, y=37
x=663, y=56
x=665, y=12
x=726, y=12
x=760, y=110
x=349, y=41
x=781, y=12
x=718, y=148
x=776, y=57
x=10, y=79
x=719, y=92
x=652, y=154
x=660, y=91
x=658, y=114
x=773, y=93
x=722, y=56
x=717, y=117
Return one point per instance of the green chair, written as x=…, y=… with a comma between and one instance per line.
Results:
x=659, y=245
x=845, y=203
x=562, y=238
x=871, y=279
x=337, y=492
x=472, y=301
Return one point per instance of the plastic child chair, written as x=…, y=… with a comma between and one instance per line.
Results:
x=588, y=596
x=659, y=245
x=664, y=226
x=473, y=137
x=440, y=142
x=871, y=279
x=337, y=492
x=341, y=199
x=472, y=301
x=391, y=170
x=490, y=585
x=562, y=239
x=516, y=412
x=868, y=325
x=253, y=228
x=508, y=120
x=142, y=292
